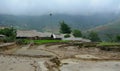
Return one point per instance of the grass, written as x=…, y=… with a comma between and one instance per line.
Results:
x=44, y=41
x=108, y=44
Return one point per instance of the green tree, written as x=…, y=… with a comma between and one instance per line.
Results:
x=93, y=36
x=77, y=33
x=66, y=36
x=64, y=28
x=110, y=37
x=10, y=34
x=118, y=38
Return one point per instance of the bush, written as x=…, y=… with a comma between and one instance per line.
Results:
x=8, y=39
x=21, y=42
x=10, y=34
x=118, y=38
x=94, y=37
x=77, y=33
x=66, y=36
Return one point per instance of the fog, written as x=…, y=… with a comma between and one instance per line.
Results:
x=73, y=7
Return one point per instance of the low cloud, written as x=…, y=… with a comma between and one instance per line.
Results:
x=75, y=7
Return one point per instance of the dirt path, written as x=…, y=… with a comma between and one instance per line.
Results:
x=80, y=65
x=25, y=47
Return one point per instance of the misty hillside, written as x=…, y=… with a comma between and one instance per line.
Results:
x=48, y=23
x=110, y=28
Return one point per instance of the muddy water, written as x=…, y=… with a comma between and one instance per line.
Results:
x=80, y=65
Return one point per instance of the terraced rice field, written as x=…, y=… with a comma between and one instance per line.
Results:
x=72, y=58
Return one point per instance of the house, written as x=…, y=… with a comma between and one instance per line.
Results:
x=25, y=34
x=34, y=35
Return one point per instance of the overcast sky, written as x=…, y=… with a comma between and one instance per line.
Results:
x=74, y=7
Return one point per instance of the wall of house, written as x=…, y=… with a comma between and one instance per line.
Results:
x=38, y=38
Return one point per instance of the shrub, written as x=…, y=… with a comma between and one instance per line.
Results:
x=66, y=36
x=8, y=39
x=77, y=33
x=21, y=42
x=94, y=37
x=118, y=38
x=10, y=34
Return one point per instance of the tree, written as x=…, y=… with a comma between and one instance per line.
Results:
x=118, y=38
x=93, y=36
x=110, y=37
x=10, y=34
x=77, y=33
x=66, y=36
x=64, y=28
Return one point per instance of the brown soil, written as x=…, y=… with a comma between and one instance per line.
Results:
x=39, y=57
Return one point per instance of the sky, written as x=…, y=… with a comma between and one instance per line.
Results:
x=73, y=7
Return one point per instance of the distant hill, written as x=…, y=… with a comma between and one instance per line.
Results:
x=51, y=23
x=112, y=28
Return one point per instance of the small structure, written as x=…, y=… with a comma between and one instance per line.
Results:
x=2, y=36
x=53, y=36
x=34, y=35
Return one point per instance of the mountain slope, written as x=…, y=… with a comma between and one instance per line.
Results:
x=51, y=23
x=111, y=28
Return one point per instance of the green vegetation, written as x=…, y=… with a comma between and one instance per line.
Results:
x=44, y=41
x=109, y=31
x=110, y=37
x=10, y=34
x=77, y=33
x=94, y=37
x=79, y=22
x=22, y=41
x=66, y=36
x=64, y=28
x=75, y=21
x=108, y=44
x=118, y=38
